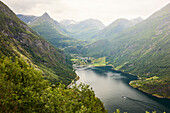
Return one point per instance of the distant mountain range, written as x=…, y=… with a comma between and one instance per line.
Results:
x=87, y=30
x=51, y=30
x=84, y=29
x=65, y=29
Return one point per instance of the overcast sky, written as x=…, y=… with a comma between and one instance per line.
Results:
x=105, y=10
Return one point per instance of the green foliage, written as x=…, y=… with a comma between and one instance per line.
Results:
x=117, y=111
x=99, y=62
x=23, y=89
x=20, y=86
x=152, y=112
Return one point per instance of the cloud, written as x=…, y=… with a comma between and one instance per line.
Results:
x=23, y=5
x=34, y=7
x=105, y=10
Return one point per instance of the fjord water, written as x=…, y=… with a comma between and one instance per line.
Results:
x=110, y=86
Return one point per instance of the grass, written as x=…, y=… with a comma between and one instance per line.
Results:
x=152, y=78
x=74, y=59
x=99, y=62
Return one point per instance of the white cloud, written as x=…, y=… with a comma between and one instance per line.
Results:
x=104, y=10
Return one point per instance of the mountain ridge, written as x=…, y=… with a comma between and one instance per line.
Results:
x=116, y=27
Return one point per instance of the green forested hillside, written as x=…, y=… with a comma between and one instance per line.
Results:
x=143, y=50
x=17, y=39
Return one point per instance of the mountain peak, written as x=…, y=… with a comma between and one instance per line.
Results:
x=46, y=16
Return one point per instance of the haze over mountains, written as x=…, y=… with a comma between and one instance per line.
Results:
x=79, y=30
x=137, y=46
x=84, y=29
x=89, y=29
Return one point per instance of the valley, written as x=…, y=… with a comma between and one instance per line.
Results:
x=139, y=47
x=41, y=58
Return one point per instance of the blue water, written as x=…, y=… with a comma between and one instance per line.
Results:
x=110, y=86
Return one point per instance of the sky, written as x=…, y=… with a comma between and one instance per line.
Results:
x=106, y=11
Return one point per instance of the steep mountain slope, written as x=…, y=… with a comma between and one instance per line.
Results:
x=142, y=50
x=26, y=18
x=116, y=27
x=17, y=39
x=83, y=30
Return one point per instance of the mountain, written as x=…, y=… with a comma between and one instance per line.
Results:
x=52, y=31
x=17, y=39
x=116, y=27
x=142, y=50
x=26, y=18
x=82, y=30
x=45, y=21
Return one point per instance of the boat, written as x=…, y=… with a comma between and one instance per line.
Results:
x=123, y=96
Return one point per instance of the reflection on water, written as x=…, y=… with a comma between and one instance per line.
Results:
x=110, y=86
x=145, y=104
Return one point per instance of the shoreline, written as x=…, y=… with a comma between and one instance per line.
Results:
x=158, y=96
x=155, y=95
x=73, y=81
